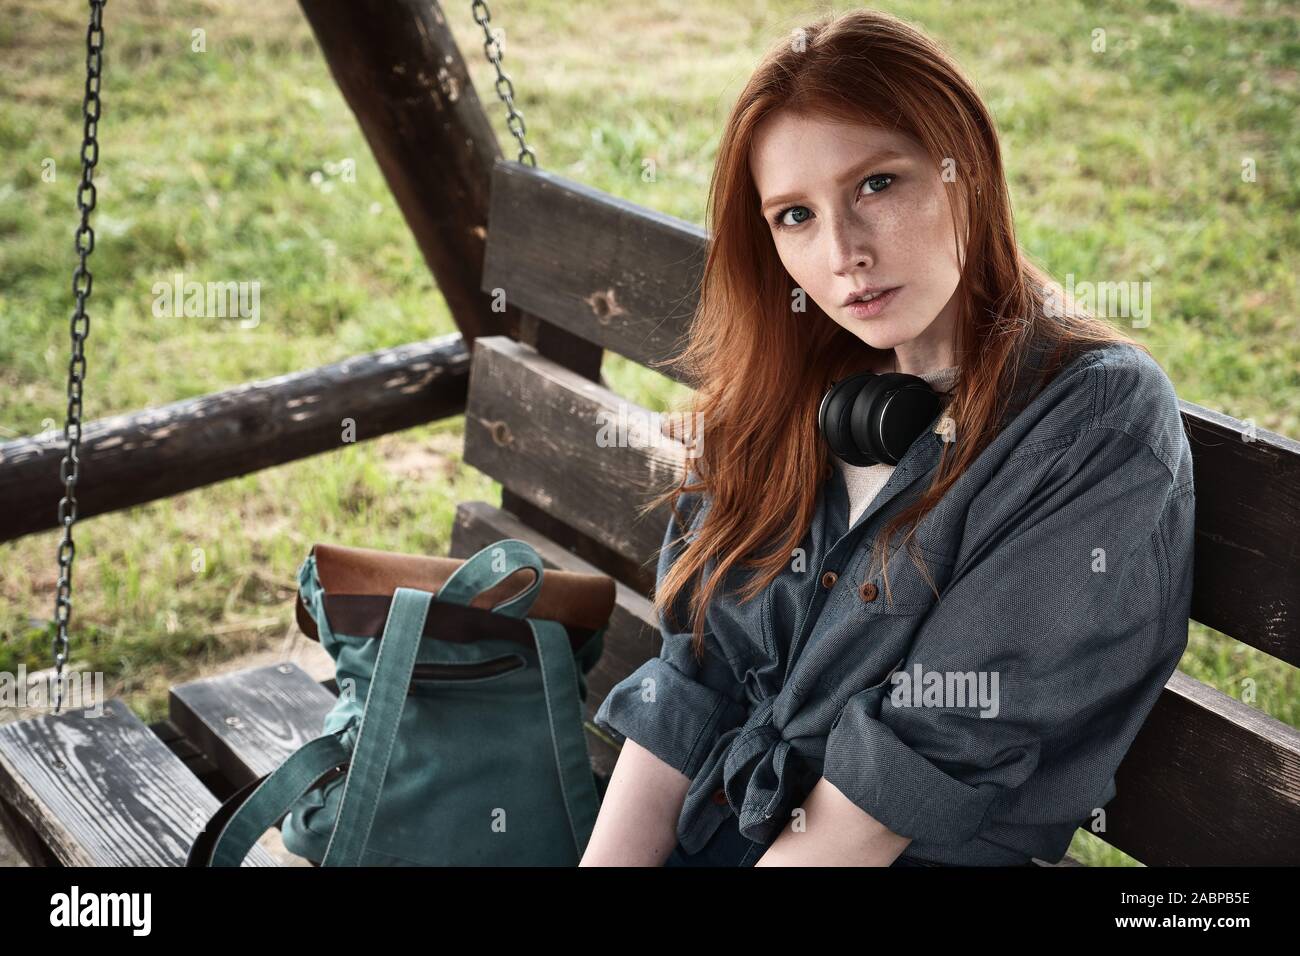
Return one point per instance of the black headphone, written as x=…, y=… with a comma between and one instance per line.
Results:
x=872, y=418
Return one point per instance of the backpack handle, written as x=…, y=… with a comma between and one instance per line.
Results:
x=488, y=568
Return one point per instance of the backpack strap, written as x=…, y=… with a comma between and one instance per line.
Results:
x=564, y=710
x=369, y=756
x=385, y=700
x=261, y=804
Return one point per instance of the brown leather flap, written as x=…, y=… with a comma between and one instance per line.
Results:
x=583, y=602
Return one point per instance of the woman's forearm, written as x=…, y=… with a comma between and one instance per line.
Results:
x=637, y=824
x=836, y=833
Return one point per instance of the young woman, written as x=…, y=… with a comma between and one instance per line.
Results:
x=924, y=626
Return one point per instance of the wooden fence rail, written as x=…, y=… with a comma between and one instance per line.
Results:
x=159, y=452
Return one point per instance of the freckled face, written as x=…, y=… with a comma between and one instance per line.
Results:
x=854, y=206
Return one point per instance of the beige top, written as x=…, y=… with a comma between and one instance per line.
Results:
x=865, y=481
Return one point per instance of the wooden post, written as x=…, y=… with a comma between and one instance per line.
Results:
x=400, y=70
x=402, y=74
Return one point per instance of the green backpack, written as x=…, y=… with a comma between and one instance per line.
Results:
x=457, y=737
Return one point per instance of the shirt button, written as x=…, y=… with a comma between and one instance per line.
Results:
x=720, y=796
x=868, y=591
x=829, y=579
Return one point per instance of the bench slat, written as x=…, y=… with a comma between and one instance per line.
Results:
x=120, y=798
x=1209, y=781
x=616, y=273
x=533, y=425
x=248, y=722
x=1247, y=565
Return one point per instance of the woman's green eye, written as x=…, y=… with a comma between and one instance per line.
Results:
x=884, y=176
x=878, y=182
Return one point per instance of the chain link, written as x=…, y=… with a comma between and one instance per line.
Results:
x=505, y=89
x=84, y=245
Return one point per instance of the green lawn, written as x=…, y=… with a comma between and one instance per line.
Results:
x=223, y=165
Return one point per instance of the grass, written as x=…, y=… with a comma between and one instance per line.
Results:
x=1125, y=164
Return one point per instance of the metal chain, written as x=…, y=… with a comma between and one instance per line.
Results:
x=505, y=89
x=84, y=244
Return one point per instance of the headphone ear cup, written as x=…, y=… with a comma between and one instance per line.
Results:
x=898, y=419
x=879, y=422
x=835, y=413
x=864, y=423
x=874, y=418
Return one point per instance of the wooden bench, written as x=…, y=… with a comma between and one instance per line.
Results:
x=1209, y=780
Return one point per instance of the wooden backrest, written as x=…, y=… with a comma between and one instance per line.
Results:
x=1208, y=780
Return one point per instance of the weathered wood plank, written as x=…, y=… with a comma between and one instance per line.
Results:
x=23, y=836
x=130, y=459
x=1209, y=781
x=621, y=275
x=1247, y=562
x=248, y=722
x=103, y=790
x=534, y=426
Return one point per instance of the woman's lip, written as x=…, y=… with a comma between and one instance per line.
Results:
x=866, y=310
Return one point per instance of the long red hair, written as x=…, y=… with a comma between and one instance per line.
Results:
x=759, y=370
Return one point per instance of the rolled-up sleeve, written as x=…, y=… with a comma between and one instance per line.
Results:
x=1076, y=602
x=674, y=705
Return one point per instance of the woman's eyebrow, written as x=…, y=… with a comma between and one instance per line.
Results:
x=841, y=179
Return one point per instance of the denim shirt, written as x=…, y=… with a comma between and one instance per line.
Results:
x=1062, y=558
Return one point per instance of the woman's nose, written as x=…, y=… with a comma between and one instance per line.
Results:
x=850, y=247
